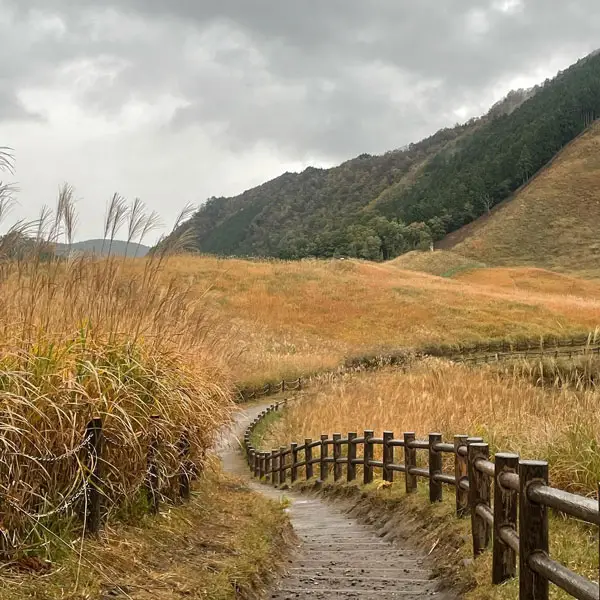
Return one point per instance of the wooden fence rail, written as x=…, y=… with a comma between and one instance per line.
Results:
x=507, y=499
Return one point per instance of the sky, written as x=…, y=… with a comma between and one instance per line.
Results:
x=174, y=101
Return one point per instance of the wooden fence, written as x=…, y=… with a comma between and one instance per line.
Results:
x=480, y=352
x=88, y=502
x=94, y=490
x=271, y=388
x=507, y=499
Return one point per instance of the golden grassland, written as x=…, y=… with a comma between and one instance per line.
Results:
x=80, y=340
x=226, y=543
x=168, y=336
x=291, y=318
x=551, y=223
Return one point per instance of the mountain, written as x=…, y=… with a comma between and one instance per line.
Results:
x=104, y=247
x=378, y=207
x=552, y=222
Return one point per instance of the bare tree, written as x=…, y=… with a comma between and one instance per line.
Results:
x=487, y=202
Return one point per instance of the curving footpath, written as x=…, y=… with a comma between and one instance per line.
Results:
x=336, y=557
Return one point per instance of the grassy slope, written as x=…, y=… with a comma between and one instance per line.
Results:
x=441, y=263
x=553, y=222
x=293, y=317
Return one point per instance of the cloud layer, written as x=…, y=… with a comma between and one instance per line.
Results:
x=175, y=101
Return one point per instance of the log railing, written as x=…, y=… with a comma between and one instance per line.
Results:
x=271, y=388
x=507, y=499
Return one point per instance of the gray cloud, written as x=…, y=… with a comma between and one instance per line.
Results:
x=319, y=80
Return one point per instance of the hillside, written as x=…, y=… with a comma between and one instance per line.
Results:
x=295, y=317
x=378, y=207
x=104, y=247
x=319, y=212
x=553, y=222
x=441, y=263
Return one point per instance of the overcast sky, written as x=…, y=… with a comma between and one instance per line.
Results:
x=178, y=100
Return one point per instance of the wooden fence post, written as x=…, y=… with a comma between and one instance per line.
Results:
x=282, y=461
x=274, y=466
x=337, y=454
x=184, y=469
x=533, y=530
x=94, y=492
x=461, y=474
x=308, y=458
x=435, y=468
x=283, y=385
x=367, y=457
x=267, y=466
x=261, y=467
x=351, y=467
x=410, y=460
x=256, y=464
x=323, y=465
x=479, y=493
x=152, y=469
x=388, y=456
x=294, y=467
x=504, y=560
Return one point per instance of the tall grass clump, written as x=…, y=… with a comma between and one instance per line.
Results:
x=578, y=372
x=82, y=337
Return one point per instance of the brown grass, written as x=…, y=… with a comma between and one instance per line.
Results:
x=293, y=317
x=439, y=262
x=226, y=543
x=553, y=222
x=559, y=424
x=84, y=337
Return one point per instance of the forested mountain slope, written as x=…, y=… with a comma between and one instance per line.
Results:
x=319, y=212
x=378, y=207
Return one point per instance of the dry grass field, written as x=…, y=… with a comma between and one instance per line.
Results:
x=509, y=412
x=290, y=318
x=121, y=340
x=170, y=335
x=220, y=546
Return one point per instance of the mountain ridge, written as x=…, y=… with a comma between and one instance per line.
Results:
x=102, y=247
x=378, y=207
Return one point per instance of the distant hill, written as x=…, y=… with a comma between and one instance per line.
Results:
x=378, y=207
x=104, y=247
x=553, y=222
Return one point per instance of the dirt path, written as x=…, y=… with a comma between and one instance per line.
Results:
x=337, y=557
